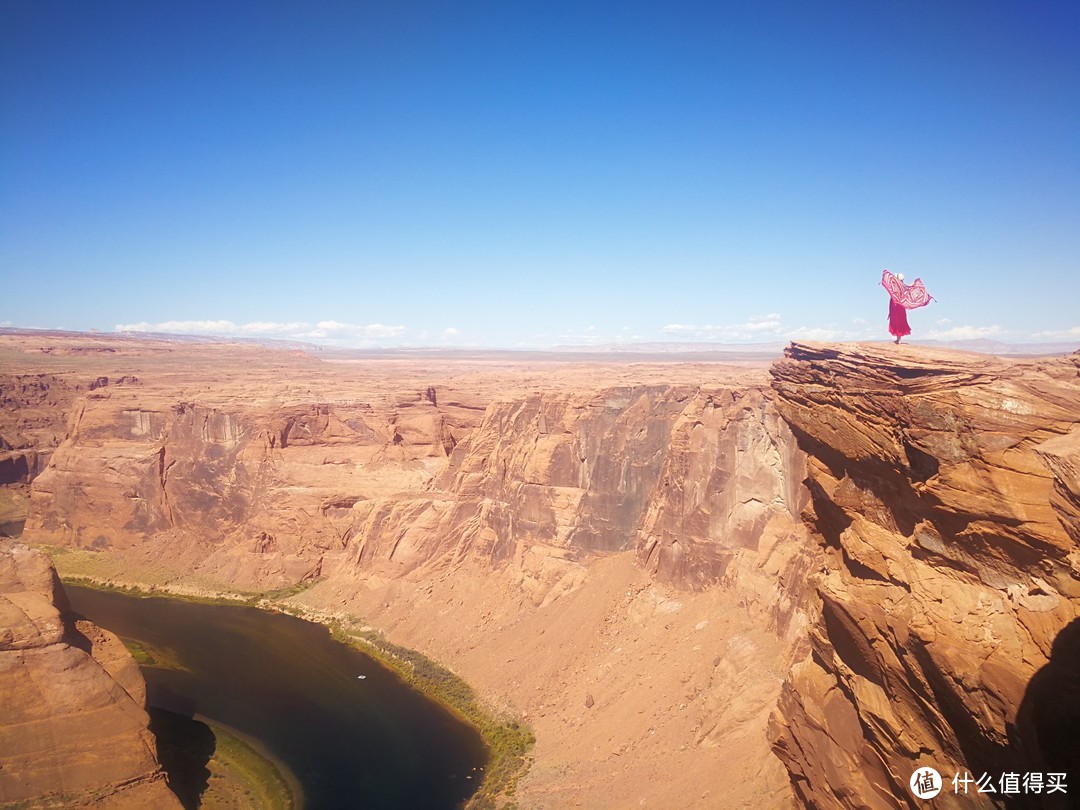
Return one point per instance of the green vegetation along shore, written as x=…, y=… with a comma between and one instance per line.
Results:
x=508, y=741
x=243, y=775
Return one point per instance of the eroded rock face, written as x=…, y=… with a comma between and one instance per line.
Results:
x=255, y=495
x=33, y=420
x=731, y=470
x=945, y=498
x=688, y=478
x=73, y=729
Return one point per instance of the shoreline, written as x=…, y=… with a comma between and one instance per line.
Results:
x=507, y=740
x=295, y=792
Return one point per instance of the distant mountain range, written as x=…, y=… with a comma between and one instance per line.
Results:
x=686, y=349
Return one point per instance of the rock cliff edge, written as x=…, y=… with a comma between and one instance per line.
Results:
x=944, y=499
x=73, y=728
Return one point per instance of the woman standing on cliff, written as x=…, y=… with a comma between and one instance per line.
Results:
x=898, y=325
x=902, y=297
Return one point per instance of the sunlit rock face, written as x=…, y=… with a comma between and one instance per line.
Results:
x=248, y=492
x=684, y=476
x=946, y=501
x=261, y=496
x=73, y=729
x=732, y=474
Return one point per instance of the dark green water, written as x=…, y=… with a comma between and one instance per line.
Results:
x=352, y=743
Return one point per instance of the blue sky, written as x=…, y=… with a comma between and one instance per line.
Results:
x=536, y=174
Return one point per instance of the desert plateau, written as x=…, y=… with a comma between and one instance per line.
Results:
x=778, y=583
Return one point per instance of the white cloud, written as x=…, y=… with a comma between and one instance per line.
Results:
x=373, y=330
x=757, y=327
x=1059, y=334
x=965, y=332
x=451, y=331
x=381, y=330
x=188, y=327
x=764, y=323
x=820, y=333
x=333, y=332
x=215, y=327
x=271, y=328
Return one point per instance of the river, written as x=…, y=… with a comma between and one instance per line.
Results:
x=350, y=741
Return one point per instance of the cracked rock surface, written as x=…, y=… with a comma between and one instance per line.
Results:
x=945, y=500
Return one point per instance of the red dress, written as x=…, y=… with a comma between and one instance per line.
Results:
x=898, y=325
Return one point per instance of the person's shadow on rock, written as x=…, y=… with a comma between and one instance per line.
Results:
x=184, y=748
x=1047, y=729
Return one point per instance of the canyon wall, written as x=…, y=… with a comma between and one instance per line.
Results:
x=945, y=495
x=621, y=566
x=73, y=729
x=34, y=408
x=252, y=496
x=265, y=497
x=559, y=537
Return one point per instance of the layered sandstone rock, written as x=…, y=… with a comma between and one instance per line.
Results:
x=701, y=484
x=73, y=730
x=945, y=498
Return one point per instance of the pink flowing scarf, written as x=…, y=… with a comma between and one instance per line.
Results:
x=909, y=296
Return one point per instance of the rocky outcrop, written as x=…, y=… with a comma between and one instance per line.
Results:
x=33, y=412
x=944, y=495
x=73, y=730
x=689, y=479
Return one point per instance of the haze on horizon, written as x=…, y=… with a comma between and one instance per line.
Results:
x=530, y=175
